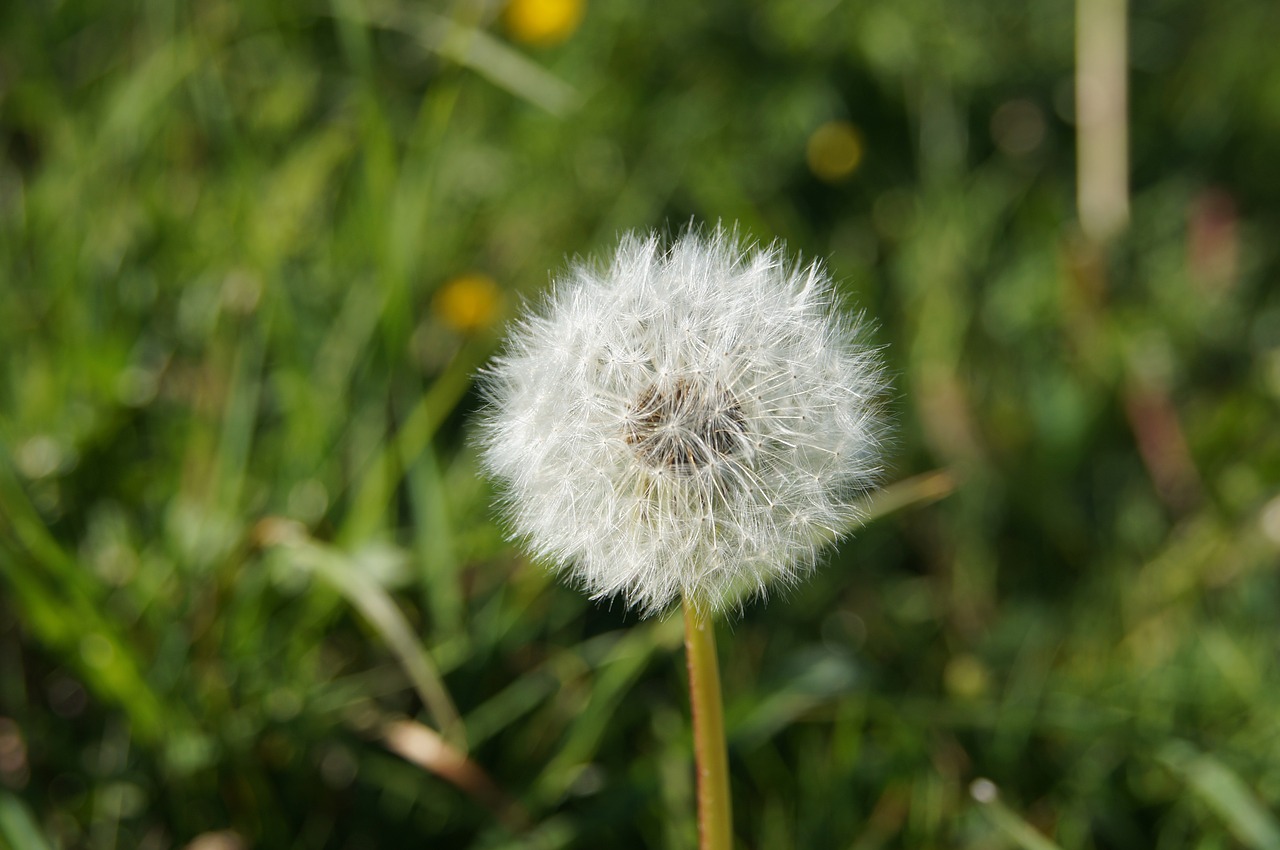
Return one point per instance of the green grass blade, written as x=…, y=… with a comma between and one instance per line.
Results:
x=18, y=829
x=1007, y=821
x=1225, y=793
x=373, y=494
x=381, y=612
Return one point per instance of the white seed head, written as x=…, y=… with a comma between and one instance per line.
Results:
x=692, y=420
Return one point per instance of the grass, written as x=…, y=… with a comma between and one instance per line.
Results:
x=250, y=582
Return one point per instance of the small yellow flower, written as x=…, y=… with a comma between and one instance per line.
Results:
x=543, y=22
x=468, y=302
x=834, y=151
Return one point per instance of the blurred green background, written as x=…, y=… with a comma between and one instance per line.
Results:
x=251, y=590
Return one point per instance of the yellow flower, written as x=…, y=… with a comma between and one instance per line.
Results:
x=834, y=151
x=543, y=22
x=467, y=303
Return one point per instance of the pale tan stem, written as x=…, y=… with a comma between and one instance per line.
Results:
x=1102, y=120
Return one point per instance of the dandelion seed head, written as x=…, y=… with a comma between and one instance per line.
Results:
x=693, y=420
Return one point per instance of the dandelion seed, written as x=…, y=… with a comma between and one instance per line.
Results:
x=694, y=420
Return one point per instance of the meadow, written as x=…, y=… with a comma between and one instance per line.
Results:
x=253, y=593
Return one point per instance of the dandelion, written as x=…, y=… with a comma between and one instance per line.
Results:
x=696, y=421
x=693, y=421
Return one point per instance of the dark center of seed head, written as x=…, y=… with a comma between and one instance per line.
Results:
x=683, y=428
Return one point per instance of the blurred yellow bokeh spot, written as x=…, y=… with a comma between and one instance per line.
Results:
x=834, y=151
x=468, y=302
x=966, y=677
x=543, y=21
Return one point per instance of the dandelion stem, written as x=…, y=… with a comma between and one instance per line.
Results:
x=715, y=823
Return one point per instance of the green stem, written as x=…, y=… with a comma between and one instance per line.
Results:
x=715, y=824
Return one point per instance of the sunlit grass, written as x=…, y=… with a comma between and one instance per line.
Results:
x=231, y=245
